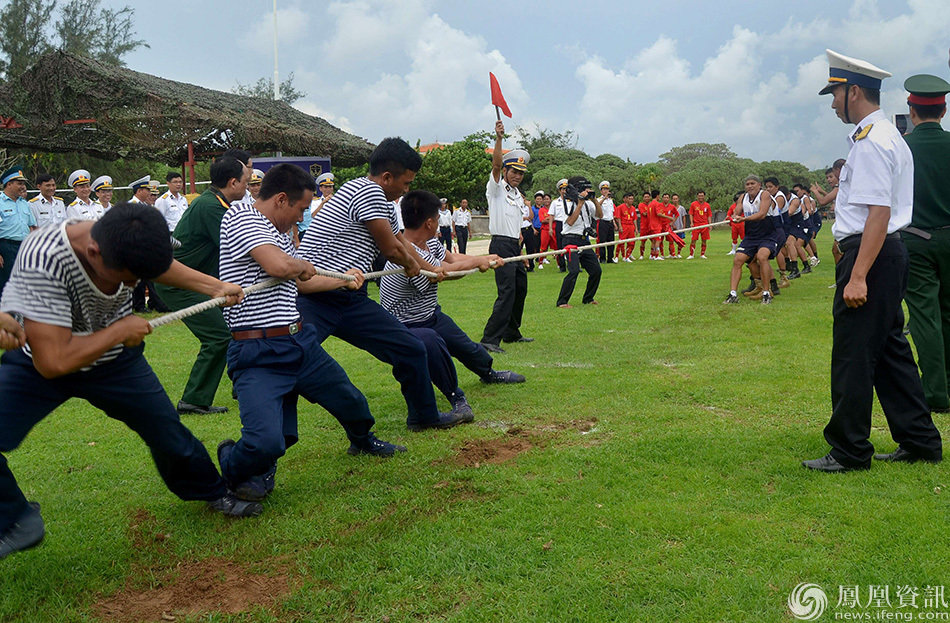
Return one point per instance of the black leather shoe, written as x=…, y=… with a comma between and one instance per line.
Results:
x=903, y=456
x=493, y=348
x=520, y=339
x=503, y=376
x=829, y=464
x=231, y=506
x=254, y=489
x=27, y=532
x=374, y=447
x=188, y=408
x=446, y=420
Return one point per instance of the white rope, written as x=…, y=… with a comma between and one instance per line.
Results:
x=273, y=281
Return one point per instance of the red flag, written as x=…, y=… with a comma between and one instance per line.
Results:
x=497, y=99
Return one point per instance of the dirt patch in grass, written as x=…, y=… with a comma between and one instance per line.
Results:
x=194, y=588
x=478, y=452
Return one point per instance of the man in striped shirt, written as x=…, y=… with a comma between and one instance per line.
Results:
x=414, y=301
x=72, y=287
x=273, y=358
x=353, y=227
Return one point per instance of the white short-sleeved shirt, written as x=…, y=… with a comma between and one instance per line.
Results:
x=879, y=171
x=84, y=211
x=243, y=229
x=50, y=285
x=557, y=210
x=48, y=212
x=445, y=218
x=412, y=299
x=583, y=221
x=607, y=205
x=338, y=238
x=505, y=207
x=171, y=207
x=461, y=217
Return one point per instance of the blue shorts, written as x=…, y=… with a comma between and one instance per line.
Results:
x=780, y=236
x=800, y=231
x=751, y=246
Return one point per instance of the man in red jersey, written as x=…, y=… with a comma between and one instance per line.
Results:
x=627, y=215
x=646, y=221
x=699, y=212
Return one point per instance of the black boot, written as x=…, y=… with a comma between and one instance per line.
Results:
x=773, y=286
x=751, y=286
x=793, y=272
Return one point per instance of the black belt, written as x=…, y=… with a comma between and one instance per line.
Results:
x=256, y=334
x=504, y=237
x=853, y=242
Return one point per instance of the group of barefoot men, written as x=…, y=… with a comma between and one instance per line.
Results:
x=67, y=324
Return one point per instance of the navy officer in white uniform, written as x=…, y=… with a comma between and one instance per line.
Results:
x=505, y=205
x=869, y=351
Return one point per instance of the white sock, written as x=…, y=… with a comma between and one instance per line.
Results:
x=733, y=293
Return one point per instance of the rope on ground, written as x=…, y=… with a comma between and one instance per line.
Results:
x=273, y=281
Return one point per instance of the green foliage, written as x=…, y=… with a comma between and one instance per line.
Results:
x=457, y=171
x=678, y=157
x=345, y=174
x=264, y=87
x=23, y=34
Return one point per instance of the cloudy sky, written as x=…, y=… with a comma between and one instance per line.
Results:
x=633, y=78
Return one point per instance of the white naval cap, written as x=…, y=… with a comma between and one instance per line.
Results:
x=846, y=70
x=516, y=159
x=139, y=183
x=562, y=183
x=327, y=179
x=79, y=176
x=256, y=176
x=102, y=182
x=604, y=184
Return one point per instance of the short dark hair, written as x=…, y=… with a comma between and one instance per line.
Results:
x=799, y=185
x=838, y=164
x=783, y=189
x=873, y=96
x=547, y=196
x=417, y=206
x=625, y=195
x=736, y=196
x=771, y=180
x=829, y=170
x=238, y=154
x=700, y=191
x=45, y=177
x=654, y=194
x=224, y=170
x=647, y=193
x=134, y=237
x=171, y=175
x=287, y=178
x=394, y=155
x=932, y=111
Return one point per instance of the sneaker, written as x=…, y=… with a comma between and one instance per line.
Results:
x=374, y=447
x=186, y=408
x=253, y=489
x=806, y=270
x=659, y=257
x=616, y=260
x=766, y=298
x=733, y=252
x=503, y=376
x=704, y=257
x=627, y=259
x=689, y=257
x=269, y=478
x=27, y=532
x=230, y=506
x=461, y=407
x=679, y=256
x=732, y=298
x=641, y=257
x=814, y=261
x=444, y=421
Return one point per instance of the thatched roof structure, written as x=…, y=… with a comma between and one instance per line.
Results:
x=70, y=103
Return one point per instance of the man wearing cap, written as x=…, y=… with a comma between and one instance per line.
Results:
x=606, y=224
x=140, y=191
x=199, y=231
x=325, y=185
x=558, y=216
x=445, y=224
x=47, y=208
x=869, y=351
x=16, y=220
x=172, y=204
x=254, y=185
x=505, y=205
x=102, y=186
x=82, y=207
x=461, y=219
x=928, y=237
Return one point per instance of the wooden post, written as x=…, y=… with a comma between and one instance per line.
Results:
x=191, y=165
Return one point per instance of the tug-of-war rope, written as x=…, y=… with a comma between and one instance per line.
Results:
x=270, y=283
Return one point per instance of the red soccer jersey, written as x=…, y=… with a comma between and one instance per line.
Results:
x=627, y=215
x=543, y=215
x=655, y=209
x=700, y=213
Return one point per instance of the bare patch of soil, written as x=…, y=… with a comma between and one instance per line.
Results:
x=475, y=453
x=194, y=588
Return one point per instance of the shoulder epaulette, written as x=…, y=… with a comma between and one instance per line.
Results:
x=74, y=202
x=864, y=132
x=36, y=198
x=167, y=193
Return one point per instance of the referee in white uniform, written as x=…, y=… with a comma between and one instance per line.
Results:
x=504, y=223
x=869, y=351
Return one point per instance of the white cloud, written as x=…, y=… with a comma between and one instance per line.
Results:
x=292, y=26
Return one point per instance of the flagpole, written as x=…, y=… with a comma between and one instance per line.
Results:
x=497, y=114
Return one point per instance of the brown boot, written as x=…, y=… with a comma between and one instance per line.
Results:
x=783, y=281
x=756, y=294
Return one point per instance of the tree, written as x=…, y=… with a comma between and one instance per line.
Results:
x=264, y=87
x=546, y=138
x=678, y=157
x=457, y=171
x=23, y=34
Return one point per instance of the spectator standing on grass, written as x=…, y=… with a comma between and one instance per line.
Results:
x=445, y=224
x=16, y=220
x=47, y=208
x=869, y=351
x=606, y=224
x=700, y=213
x=172, y=204
x=461, y=221
x=102, y=186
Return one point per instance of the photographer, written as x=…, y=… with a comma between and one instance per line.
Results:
x=578, y=229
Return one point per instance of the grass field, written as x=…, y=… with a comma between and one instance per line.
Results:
x=647, y=471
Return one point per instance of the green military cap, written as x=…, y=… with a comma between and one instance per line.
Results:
x=927, y=90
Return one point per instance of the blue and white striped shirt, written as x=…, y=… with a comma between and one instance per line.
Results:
x=412, y=299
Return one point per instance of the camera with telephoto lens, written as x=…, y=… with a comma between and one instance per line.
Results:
x=575, y=186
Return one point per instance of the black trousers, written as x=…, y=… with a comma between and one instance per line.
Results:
x=605, y=233
x=8, y=251
x=870, y=353
x=559, y=238
x=446, y=233
x=461, y=238
x=587, y=259
x=155, y=303
x=531, y=241
x=512, y=283
x=445, y=340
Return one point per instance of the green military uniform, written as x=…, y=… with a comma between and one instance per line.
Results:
x=928, y=244
x=199, y=232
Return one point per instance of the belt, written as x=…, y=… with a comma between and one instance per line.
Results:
x=256, y=334
x=854, y=241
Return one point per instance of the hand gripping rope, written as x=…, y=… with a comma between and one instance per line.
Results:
x=270, y=283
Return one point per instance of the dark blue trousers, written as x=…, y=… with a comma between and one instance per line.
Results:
x=443, y=340
x=268, y=375
x=355, y=318
x=126, y=389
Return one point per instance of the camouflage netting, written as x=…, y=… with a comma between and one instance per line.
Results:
x=142, y=116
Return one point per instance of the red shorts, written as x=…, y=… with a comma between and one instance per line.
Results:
x=704, y=232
